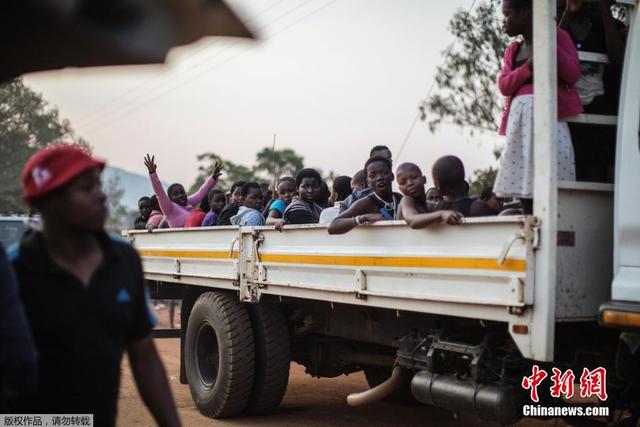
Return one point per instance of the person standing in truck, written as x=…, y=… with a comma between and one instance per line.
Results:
x=174, y=203
x=380, y=205
x=593, y=29
x=515, y=172
x=84, y=296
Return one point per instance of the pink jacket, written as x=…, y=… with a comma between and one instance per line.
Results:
x=519, y=81
x=177, y=215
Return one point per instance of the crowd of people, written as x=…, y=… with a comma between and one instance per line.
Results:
x=584, y=152
x=365, y=198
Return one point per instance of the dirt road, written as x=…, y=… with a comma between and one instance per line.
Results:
x=309, y=402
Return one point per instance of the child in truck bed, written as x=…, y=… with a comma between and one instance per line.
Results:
x=448, y=177
x=380, y=205
x=414, y=207
x=286, y=192
x=249, y=213
x=303, y=208
x=217, y=200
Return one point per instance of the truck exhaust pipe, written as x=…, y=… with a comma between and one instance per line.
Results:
x=490, y=402
x=399, y=377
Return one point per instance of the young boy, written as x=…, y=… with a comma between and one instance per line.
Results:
x=286, y=192
x=433, y=195
x=303, y=208
x=341, y=190
x=232, y=208
x=144, y=207
x=380, y=205
x=448, y=177
x=84, y=296
x=217, y=200
x=359, y=189
x=414, y=207
x=381, y=151
x=249, y=212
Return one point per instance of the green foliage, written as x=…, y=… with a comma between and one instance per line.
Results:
x=232, y=172
x=466, y=93
x=483, y=177
x=268, y=168
x=27, y=123
x=277, y=163
x=119, y=217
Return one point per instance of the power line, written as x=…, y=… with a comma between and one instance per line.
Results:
x=92, y=115
x=433, y=85
x=136, y=104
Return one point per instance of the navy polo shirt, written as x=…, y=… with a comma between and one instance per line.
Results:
x=81, y=331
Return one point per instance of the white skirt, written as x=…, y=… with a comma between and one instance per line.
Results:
x=515, y=173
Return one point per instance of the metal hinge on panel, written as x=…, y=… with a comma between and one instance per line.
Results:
x=361, y=284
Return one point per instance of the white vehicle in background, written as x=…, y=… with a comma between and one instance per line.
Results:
x=456, y=315
x=12, y=227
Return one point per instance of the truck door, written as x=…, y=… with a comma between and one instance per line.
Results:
x=626, y=282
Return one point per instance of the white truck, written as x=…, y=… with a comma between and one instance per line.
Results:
x=451, y=316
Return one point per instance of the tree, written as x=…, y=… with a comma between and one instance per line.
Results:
x=119, y=217
x=483, y=177
x=27, y=123
x=466, y=92
x=278, y=163
x=269, y=167
x=231, y=173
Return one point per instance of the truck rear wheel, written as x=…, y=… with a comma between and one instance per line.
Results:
x=273, y=358
x=219, y=355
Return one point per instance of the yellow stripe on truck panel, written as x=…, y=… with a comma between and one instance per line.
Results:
x=188, y=254
x=365, y=261
x=410, y=262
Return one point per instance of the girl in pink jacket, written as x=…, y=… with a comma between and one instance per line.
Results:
x=174, y=203
x=515, y=173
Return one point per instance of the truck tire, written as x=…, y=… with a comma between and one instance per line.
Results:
x=219, y=355
x=273, y=358
x=376, y=375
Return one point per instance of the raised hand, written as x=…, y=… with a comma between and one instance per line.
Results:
x=150, y=163
x=217, y=170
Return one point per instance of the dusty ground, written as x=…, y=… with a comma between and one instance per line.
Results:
x=309, y=402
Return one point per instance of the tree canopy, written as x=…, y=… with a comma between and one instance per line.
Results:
x=466, y=93
x=269, y=166
x=27, y=123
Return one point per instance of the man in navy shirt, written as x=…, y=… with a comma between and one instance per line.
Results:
x=84, y=296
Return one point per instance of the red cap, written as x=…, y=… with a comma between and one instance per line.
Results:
x=53, y=167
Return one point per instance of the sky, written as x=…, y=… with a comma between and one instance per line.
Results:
x=330, y=78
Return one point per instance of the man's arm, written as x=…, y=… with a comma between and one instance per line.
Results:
x=360, y=212
x=151, y=380
x=480, y=208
